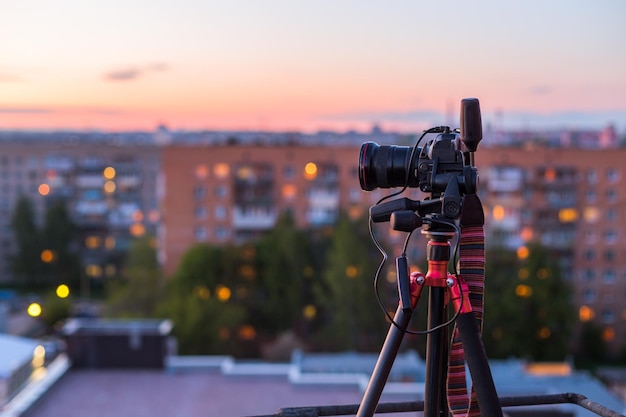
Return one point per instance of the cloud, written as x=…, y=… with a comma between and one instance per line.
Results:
x=566, y=119
x=540, y=90
x=104, y=111
x=390, y=116
x=514, y=119
x=130, y=74
x=25, y=110
x=122, y=75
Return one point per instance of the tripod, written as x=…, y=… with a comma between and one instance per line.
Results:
x=443, y=287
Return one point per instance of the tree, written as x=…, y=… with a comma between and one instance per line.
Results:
x=142, y=289
x=59, y=237
x=26, y=264
x=345, y=293
x=207, y=318
x=285, y=271
x=592, y=349
x=528, y=310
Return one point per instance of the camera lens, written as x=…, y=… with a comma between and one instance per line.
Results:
x=384, y=166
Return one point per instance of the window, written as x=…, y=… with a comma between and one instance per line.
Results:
x=289, y=172
x=202, y=171
x=589, y=254
x=200, y=212
x=587, y=275
x=589, y=296
x=221, y=233
x=590, y=236
x=608, y=316
x=199, y=192
x=591, y=196
x=220, y=212
x=609, y=276
x=221, y=170
x=611, y=215
x=592, y=176
x=610, y=236
x=200, y=234
x=611, y=195
x=221, y=191
x=612, y=175
x=355, y=194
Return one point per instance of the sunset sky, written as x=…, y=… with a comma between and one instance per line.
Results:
x=310, y=64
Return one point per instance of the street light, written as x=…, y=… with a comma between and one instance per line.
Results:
x=34, y=310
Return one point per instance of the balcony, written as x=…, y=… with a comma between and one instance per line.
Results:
x=318, y=216
x=255, y=218
x=323, y=198
x=90, y=208
x=90, y=181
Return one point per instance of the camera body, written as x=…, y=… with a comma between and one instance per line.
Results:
x=430, y=168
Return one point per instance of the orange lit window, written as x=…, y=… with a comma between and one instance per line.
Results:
x=585, y=313
x=221, y=170
x=109, y=186
x=591, y=214
x=289, y=191
x=352, y=271
x=223, y=293
x=608, y=334
x=309, y=311
x=526, y=234
x=522, y=252
x=523, y=291
x=498, y=212
x=109, y=242
x=568, y=215
x=137, y=229
x=44, y=189
x=137, y=216
x=247, y=332
x=92, y=242
x=310, y=171
x=109, y=173
x=202, y=171
x=93, y=270
x=47, y=256
x=522, y=273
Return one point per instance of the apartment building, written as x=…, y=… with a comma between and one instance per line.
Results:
x=572, y=201
x=109, y=188
x=232, y=193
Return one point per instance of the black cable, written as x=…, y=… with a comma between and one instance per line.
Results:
x=385, y=257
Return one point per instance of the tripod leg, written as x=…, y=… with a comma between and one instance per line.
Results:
x=385, y=362
x=436, y=354
x=476, y=359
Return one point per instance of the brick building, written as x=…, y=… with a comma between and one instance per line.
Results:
x=572, y=201
x=109, y=187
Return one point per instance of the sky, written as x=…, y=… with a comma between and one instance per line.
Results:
x=309, y=65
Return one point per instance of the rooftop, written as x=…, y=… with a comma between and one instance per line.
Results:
x=221, y=386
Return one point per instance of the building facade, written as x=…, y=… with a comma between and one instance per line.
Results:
x=223, y=194
x=572, y=201
x=109, y=189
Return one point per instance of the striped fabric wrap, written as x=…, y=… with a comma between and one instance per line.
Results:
x=472, y=272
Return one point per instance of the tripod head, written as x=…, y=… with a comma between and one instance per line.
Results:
x=444, y=167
